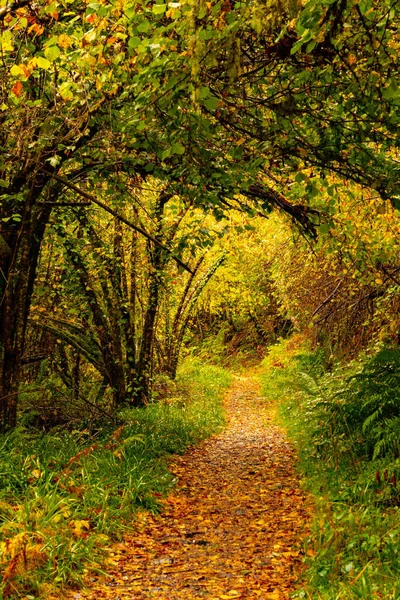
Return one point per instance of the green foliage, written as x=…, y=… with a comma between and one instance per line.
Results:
x=281, y=360
x=220, y=106
x=352, y=551
x=213, y=347
x=373, y=400
x=359, y=404
x=63, y=496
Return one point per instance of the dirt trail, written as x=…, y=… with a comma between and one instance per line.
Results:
x=232, y=526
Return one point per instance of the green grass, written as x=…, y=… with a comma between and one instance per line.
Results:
x=64, y=496
x=353, y=551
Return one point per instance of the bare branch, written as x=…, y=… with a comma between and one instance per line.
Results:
x=328, y=298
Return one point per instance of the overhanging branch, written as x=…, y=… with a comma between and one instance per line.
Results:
x=121, y=218
x=298, y=212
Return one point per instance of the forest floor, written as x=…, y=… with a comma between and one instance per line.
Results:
x=232, y=526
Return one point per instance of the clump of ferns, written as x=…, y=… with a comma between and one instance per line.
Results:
x=366, y=406
x=362, y=410
x=371, y=403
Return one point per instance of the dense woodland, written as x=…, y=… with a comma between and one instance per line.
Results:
x=186, y=183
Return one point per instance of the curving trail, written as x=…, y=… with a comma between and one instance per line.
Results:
x=231, y=528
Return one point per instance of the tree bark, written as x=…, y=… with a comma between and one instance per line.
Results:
x=19, y=270
x=158, y=261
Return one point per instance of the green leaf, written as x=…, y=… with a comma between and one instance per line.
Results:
x=54, y=160
x=134, y=42
x=211, y=103
x=141, y=125
x=203, y=92
x=50, y=8
x=390, y=92
x=52, y=53
x=296, y=46
x=324, y=228
x=177, y=148
x=300, y=177
x=159, y=9
x=143, y=27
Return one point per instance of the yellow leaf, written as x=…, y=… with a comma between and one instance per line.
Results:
x=79, y=527
x=65, y=41
x=16, y=70
x=6, y=42
x=43, y=63
x=65, y=91
x=89, y=58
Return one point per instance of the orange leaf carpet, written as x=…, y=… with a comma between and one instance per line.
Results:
x=231, y=528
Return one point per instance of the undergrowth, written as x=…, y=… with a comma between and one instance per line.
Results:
x=64, y=496
x=236, y=352
x=345, y=424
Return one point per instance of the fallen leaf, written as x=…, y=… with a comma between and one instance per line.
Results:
x=232, y=526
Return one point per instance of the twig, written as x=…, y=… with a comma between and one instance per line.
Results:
x=328, y=298
x=18, y=393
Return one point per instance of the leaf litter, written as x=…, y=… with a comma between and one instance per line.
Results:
x=232, y=527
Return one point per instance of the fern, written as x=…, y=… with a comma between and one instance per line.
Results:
x=371, y=403
x=388, y=437
x=363, y=409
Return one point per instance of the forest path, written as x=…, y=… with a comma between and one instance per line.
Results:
x=231, y=527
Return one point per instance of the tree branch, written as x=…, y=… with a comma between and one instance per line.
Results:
x=328, y=298
x=121, y=218
x=298, y=212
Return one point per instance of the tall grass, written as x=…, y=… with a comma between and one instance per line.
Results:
x=64, y=496
x=353, y=551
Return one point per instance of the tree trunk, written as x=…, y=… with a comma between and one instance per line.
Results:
x=104, y=325
x=23, y=239
x=184, y=313
x=20, y=272
x=159, y=258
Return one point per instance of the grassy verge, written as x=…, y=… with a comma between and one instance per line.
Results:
x=65, y=495
x=343, y=423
